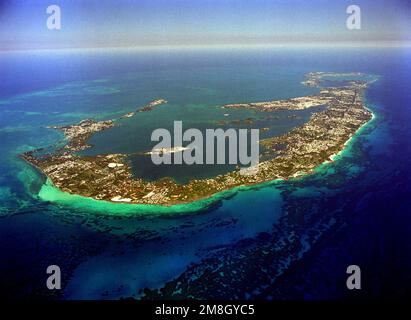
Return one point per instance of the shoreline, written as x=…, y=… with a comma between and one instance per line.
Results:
x=200, y=200
x=334, y=157
x=49, y=192
x=55, y=195
x=65, y=197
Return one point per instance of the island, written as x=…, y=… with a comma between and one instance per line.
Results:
x=298, y=152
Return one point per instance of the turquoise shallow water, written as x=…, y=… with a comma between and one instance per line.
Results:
x=112, y=250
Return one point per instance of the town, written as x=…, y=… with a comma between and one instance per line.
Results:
x=298, y=152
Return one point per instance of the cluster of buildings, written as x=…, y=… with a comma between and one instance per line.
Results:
x=109, y=177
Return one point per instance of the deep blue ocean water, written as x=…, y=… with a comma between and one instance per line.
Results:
x=288, y=240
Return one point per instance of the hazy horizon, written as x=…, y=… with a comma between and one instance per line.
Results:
x=208, y=23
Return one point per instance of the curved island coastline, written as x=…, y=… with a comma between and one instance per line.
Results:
x=109, y=177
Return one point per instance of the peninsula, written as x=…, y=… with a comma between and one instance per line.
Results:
x=109, y=177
